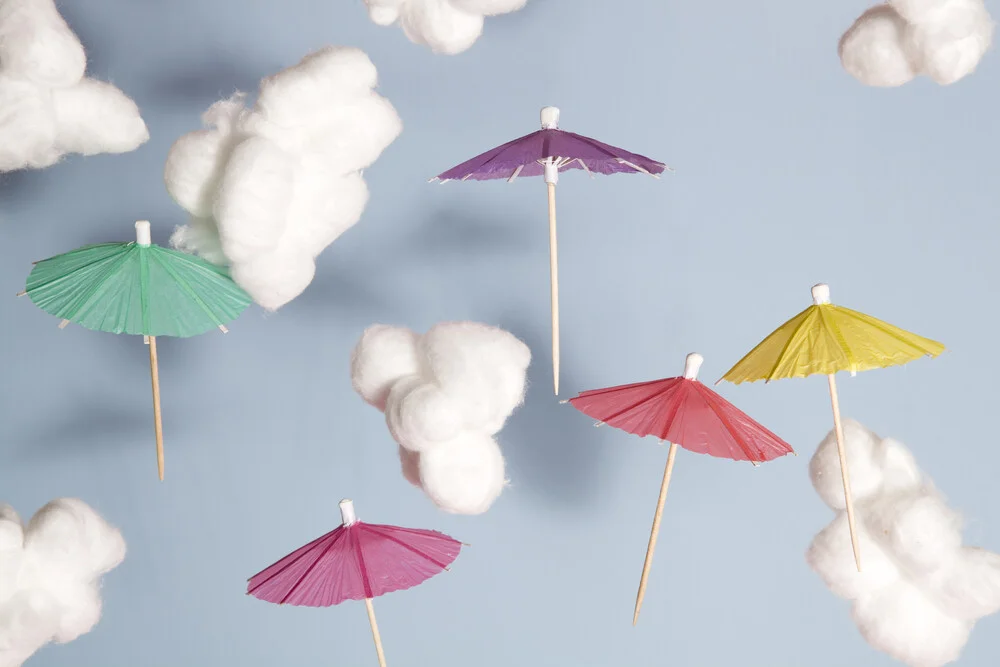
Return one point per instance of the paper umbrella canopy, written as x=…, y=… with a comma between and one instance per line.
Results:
x=356, y=561
x=137, y=288
x=681, y=411
x=546, y=152
x=824, y=339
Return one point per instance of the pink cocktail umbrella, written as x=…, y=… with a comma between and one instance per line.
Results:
x=681, y=411
x=545, y=153
x=357, y=561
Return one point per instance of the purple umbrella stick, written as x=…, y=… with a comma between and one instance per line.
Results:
x=545, y=153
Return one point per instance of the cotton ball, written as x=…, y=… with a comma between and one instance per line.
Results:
x=866, y=474
x=27, y=126
x=900, y=622
x=69, y=533
x=480, y=365
x=899, y=468
x=255, y=196
x=95, y=117
x=971, y=589
x=384, y=12
x=326, y=204
x=37, y=45
x=275, y=278
x=464, y=476
x=921, y=531
x=67, y=546
x=383, y=356
x=830, y=556
x=949, y=50
x=201, y=237
x=489, y=7
x=922, y=11
x=872, y=52
x=197, y=160
x=421, y=416
x=355, y=135
x=441, y=26
x=410, y=465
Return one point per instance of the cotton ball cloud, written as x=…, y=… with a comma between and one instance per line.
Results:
x=892, y=43
x=269, y=187
x=50, y=575
x=445, y=26
x=445, y=395
x=48, y=109
x=920, y=591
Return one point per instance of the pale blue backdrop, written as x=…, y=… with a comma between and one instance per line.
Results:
x=788, y=172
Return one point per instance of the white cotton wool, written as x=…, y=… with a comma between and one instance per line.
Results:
x=49, y=576
x=891, y=43
x=445, y=26
x=445, y=396
x=872, y=51
x=384, y=355
x=47, y=108
x=463, y=476
x=920, y=590
x=282, y=180
x=950, y=46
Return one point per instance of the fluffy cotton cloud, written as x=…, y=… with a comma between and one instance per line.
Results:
x=445, y=395
x=49, y=575
x=268, y=188
x=920, y=591
x=47, y=108
x=892, y=43
x=446, y=26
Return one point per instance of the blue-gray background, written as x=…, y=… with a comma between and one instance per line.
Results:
x=789, y=172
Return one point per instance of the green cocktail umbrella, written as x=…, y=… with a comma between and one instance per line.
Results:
x=137, y=288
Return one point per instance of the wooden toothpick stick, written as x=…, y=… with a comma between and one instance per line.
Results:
x=655, y=531
x=554, y=280
x=839, y=430
x=375, y=634
x=154, y=369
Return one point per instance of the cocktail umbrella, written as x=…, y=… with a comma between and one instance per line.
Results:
x=137, y=288
x=824, y=339
x=357, y=561
x=545, y=153
x=681, y=411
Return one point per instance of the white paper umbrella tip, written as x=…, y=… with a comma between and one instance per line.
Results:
x=821, y=293
x=347, y=512
x=550, y=118
x=142, y=235
x=692, y=364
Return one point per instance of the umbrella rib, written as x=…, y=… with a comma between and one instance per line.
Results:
x=364, y=570
x=411, y=548
x=187, y=289
x=304, y=575
x=633, y=407
x=725, y=422
x=670, y=422
x=788, y=343
x=118, y=262
x=593, y=143
x=607, y=390
x=881, y=326
x=830, y=326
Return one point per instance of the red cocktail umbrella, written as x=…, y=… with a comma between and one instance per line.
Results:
x=681, y=411
x=357, y=561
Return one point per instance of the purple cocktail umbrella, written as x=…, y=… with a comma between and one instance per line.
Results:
x=545, y=153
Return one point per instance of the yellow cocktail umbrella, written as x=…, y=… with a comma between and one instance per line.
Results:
x=824, y=339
